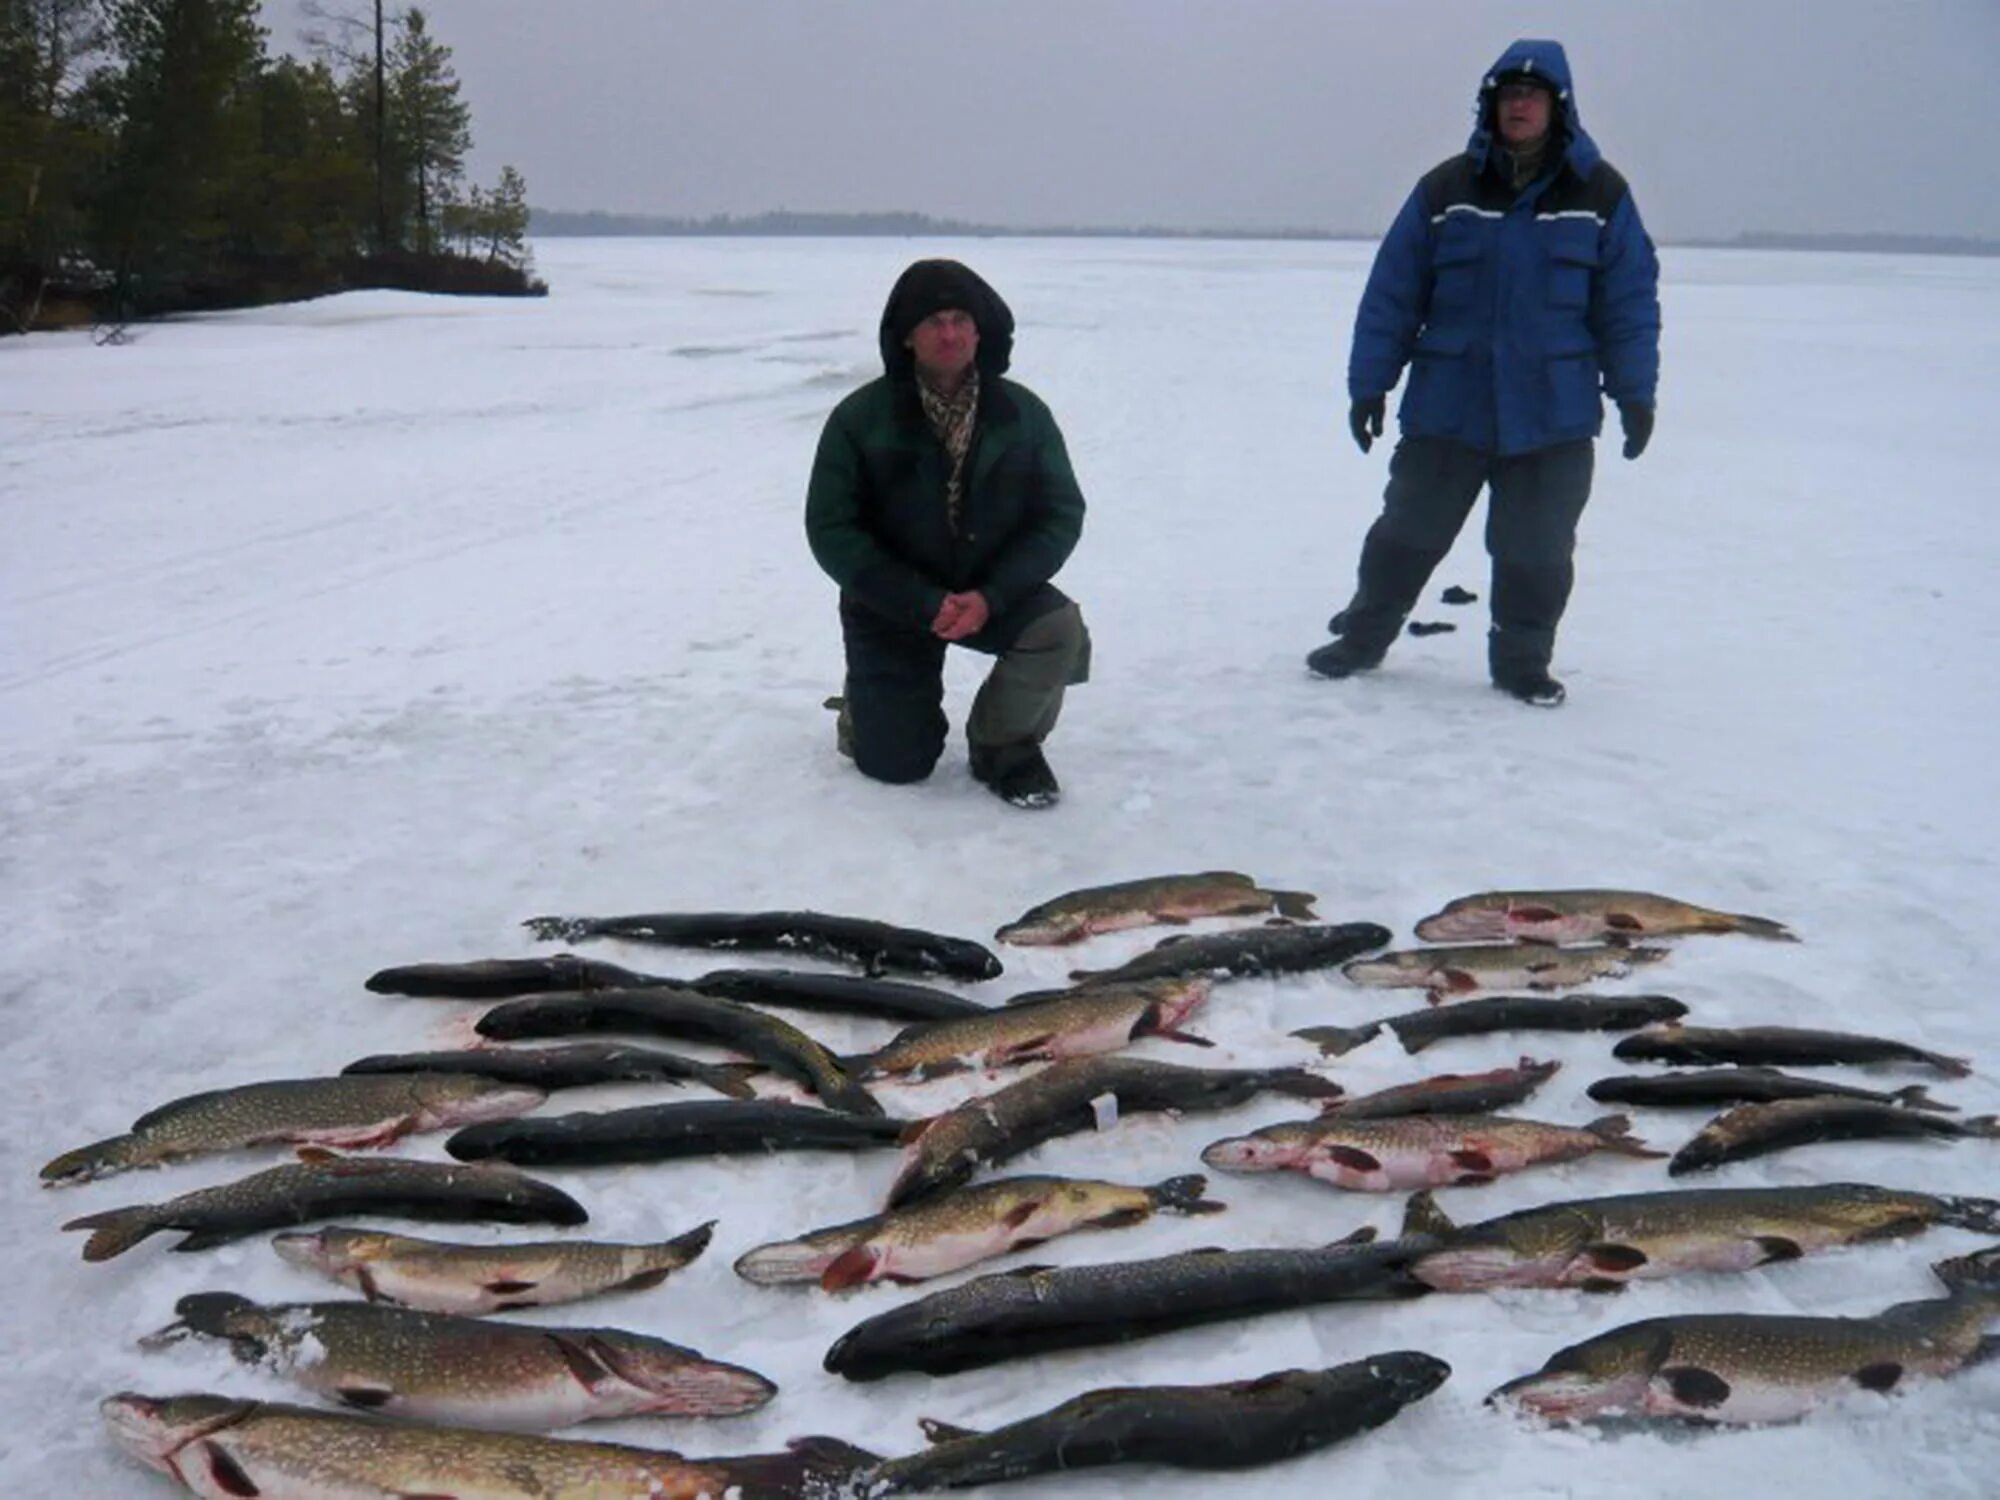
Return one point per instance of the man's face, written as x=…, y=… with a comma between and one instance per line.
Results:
x=1523, y=112
x=944, y=344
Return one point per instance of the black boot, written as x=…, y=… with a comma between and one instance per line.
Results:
x=1020, y=777
x=1345, y=657
x=1532, y=686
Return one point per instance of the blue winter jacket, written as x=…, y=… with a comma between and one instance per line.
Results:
x=1513, y=311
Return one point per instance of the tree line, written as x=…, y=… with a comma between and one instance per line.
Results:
x=155, y=158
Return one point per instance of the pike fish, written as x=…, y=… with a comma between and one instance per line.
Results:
x=874, y=946
x=1470, y=968
x=1759, y=1129
x=1067, y=1097
x=1011, y=1314
x=322, y=1185
x=964, y=1228
x=1599, y=1244
x=1419, y=1029
x=434, y=1367
x=573, y=1065
x=839, y=994
x=503, y=978
x=1449, y=1093
x=435, y=1276
x=1414, y=1151
x=351, y=1112
x=1169, y=899
x=677, y=1011
x=1711, y=1086
x=663, y=1132
x=224, y=1446
x=1583, y=916
x=1780, y=1046
x=1742, y=1368
x=1074, y=1023
x=1240, y=1425
x=1247, y=954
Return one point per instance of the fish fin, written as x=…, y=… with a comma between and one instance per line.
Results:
x=1456, y=982
x=1025, y=1050
x=116, y=1230
x=1916, y=1096
x=203, y=1239
x=1367, y=1234
x=1881, y=1376
x=1355, y=1158
x=1693, y=1386
x=228, y=1475
x=1777, y=1247
x=1533, y=914
x=945, y=1432
x=851, y=1267
x=1614, y=1132
x=1623, y=922
x=1602, y=1286
x=316, y=1156
x=371, y=1291
x=1169, y=941
x=1170, y=1034
x=1297, y=905
x=581, y=1357
x=1169, y=919
x=730, y=1079
x=1474, y=1179
x=1471, y=1160
x=1183, y=1195
x=1334, y=1040
x=1421, y=1215
x=912, y=1132
x=1606, y=1256
x=364, y=1397
x=1120, y=1218
x=506, y=1288
x=1020, y=1213
x=1082, y=976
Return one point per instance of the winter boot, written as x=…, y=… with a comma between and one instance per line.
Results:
x=1019, y=776
x=1345, y=657
x=1532, y=686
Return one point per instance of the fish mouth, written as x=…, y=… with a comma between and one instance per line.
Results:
x=1243, y=1155
x=141, y=1426
x=502, y=1103
x=1564, y=1395
x=768, y=1265
x=1463, y=927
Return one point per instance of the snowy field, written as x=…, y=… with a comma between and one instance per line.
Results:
x=348, y=634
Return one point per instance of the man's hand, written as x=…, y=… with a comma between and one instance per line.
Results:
x=1364, y=420
x=959, y=616
x=1638, y=423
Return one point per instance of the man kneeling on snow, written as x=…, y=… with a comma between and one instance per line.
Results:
x=942, y=503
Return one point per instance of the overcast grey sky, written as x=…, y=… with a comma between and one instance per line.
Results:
x=1726, y=115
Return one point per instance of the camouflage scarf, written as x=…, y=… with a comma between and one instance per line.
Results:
x=951, y=419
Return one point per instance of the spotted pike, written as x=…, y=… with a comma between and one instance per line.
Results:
x=1253, y=953
x=1583, y=916
x=1599, y=1244
x=1742, y=1368
x=964, y=1228
x=1780, y=1046
x=503, y=978
x=1449, y=1093
x=573, y=1065
x=677, y=1011
x=1413, y=1151
x=218, y=1446
x=435, y=1276
x=1067, y=1097
x=1036, y=1309
x=873, y=946
x=1169, y=899
x=433, y=1367
x=324, y=1186
x=1419, y=1029
x=1708, y=1087
x=663, y=1132
x=1759, y=1129
x=348, y=1112
x=1469, y=968
x=1241, y=1425
x=838, y=994
x=1073, y=1023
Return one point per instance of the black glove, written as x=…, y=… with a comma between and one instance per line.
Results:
x=1638, y=423
x=1364, y=420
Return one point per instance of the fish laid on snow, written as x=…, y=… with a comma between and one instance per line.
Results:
x=663, y=1132
x=1583, y=916
x=340, y=1111
x=1249, y=954
x=1780, y=1046
x=1414, y=1151
x=1599, y=1244
x=1419, y=1029
x=1240, y=1425
x=1076, y=915
x=503, y=978
x=874, y=946
x=1469, y=968
x=440, y=1277
x=1759, y=1129
x=839, y=994
x=223, y=1446
x=435, y=1367
x=1074, y=1023
x=1449, y=1093
x=325, y=1186
x=964, y=1228
x=573, y=1065
x=1706, y=1087
x=1742, y=1368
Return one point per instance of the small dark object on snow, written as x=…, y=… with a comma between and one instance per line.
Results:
x=1457, y=595
x=1431, y=627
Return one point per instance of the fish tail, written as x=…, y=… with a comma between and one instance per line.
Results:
x=1977, y=1274
x=1916, y=1096
x=99, y=1159
x=1761, y=927
x=731, y=1079
x=1183, y=1195
x=561, y=929
x=816, y=1468
x=1951, y=1067
x=1979, y=1214
x=1334, y=1040
x=1300, y=1083
x=117, y=1230
x=1296, y=905
x=1421, y=1215
x=1614, y=1132
x=690, y=1245
x=1981, y=1125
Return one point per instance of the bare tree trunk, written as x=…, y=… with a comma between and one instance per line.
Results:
x=381, y=146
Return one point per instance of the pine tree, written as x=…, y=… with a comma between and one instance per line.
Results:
x=430, y=125
x=49, y=143
x=506, y=224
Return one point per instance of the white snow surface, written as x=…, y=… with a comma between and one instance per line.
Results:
x=351, y=633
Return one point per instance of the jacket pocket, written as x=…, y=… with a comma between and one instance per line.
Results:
x=1574, y=381
x=1439, y=393
x=1455, y=266
x=1571, y=247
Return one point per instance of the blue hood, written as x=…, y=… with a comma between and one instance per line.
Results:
x=1546, y=59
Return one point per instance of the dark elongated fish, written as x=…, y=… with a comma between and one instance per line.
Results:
x=660, y=1132
x=503, y=978
x=1759, y=1129
x=322, y=1185
x=1066, y=1097
x=1011, y=1314
x=1711, y=1086
x=1076, y=915
x=1419, y=1029
x=677, y=1011
x=573, y=1065
x=1250, y=953
x=1240, y=1425
x=839, y=994
x=1779, y=1045
x=1450, y=1093
x=874, y=946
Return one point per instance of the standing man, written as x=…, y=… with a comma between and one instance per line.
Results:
x=942, y=503
x=1516, y=284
